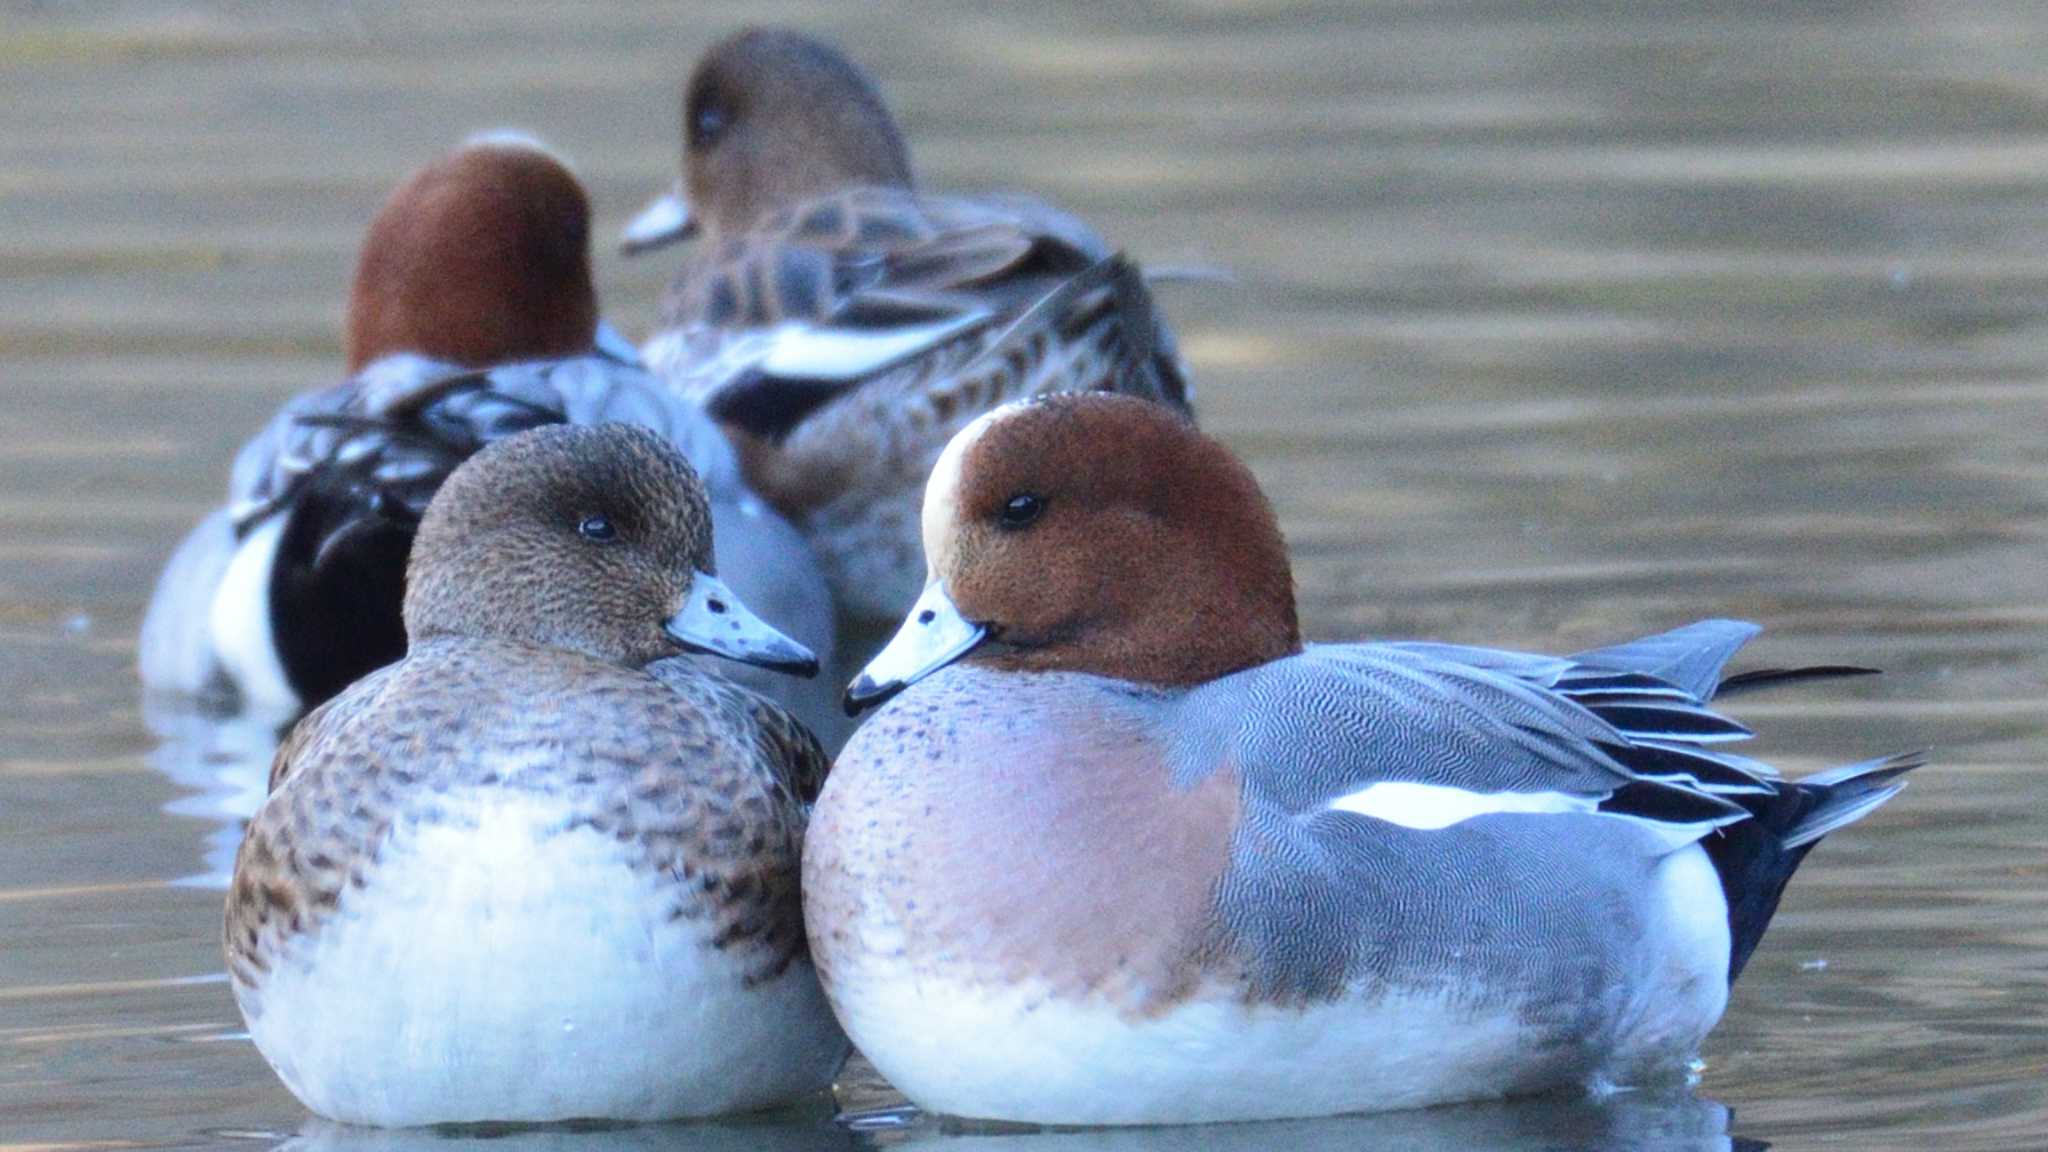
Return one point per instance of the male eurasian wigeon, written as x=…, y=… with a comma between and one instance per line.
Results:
x=538, y=869
x=472, y=316
x=843, y=325
x=1121, y=849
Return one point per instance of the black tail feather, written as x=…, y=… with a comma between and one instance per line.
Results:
x=1757, y=678
x=1757, y=857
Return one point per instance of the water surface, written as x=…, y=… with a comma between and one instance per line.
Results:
x=1554, y=324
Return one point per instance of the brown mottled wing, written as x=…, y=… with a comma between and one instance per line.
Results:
x=827, y=261
x=840, y=290
x=337, y=713
x=786, y=742
x=795, y=758
x=295, y=853
x=842, y=349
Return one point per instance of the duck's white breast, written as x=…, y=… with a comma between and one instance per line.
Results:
x=497, y=965
x=1019, y=1054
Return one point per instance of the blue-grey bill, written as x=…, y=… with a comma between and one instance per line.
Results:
x=933, y=636
x=663, y=222
x=714, y=621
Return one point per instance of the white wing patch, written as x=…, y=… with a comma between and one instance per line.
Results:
x=240, y=617
x=809, y=352
x=1433, y=806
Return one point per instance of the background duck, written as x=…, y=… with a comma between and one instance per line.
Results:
x=472, y=316
x=538, y=869
x=842, y=325
x=1124, y=851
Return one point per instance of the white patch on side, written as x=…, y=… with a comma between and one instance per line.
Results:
x=1682, y=982
x=810, y=352
x=1017, y=1054
x=1675, y=837
x=175, y=653
x=496, y=967
x=942, y=488
x=661, y=222
x=1433, y=806
x=240, y=621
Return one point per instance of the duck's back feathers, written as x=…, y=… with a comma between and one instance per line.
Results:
x=772, y=325
x=346, y=472
x=394, y=432
x=1430, y=736
x=844, y=341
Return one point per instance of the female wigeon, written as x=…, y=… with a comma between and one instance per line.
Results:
x=472, y=317
x=1122, y=850
x=843, y=325
x=537, y=870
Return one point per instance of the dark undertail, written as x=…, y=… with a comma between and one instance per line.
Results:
x=1755, y=858
x=337, y=590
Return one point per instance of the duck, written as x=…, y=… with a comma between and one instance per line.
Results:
x=541, y=868
x=1116, y=847
x=842, y=324
x=472, y=316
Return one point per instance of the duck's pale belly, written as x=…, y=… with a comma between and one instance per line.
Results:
x=495, y=967
x=1014, y=1051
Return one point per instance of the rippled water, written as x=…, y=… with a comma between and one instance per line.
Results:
x=1555, y=324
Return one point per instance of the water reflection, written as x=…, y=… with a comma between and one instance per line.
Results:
x=1673, y=1120
x=223, y=761
x=808, y=1132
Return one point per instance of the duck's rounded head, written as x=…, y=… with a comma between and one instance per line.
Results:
x=481, y=258
x=1098, y=533
x=595, y=539
x=772, y=117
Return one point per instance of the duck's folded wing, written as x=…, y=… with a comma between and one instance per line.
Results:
x=375, y=449
x=1431, y=735
x=787, y=748
x=770, y=326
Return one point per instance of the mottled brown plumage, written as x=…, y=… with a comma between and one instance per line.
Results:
x=543, y=708
x=702, y=783
x=843, y=325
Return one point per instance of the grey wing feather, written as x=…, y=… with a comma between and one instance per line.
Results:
x=1690, y=658
x=1340, y=718
x=396, y=430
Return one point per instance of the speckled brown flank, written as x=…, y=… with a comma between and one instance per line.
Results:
x=525, y=674
x=699, y=781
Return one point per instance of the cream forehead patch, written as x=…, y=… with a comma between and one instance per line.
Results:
x=942, y=489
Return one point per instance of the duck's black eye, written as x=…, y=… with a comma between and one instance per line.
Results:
x=1021, y=510
x=707, y=121
x=598, y=528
